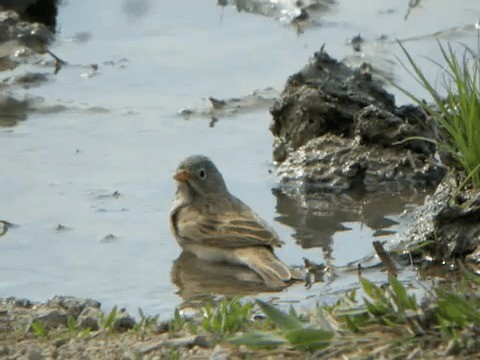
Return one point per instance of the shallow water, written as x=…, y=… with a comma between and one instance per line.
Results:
x=117, y=129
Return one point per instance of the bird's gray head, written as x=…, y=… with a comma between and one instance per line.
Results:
x=201, y=175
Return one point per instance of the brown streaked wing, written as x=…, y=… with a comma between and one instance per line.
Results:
x=229, y=230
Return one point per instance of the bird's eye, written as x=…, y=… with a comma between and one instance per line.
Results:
x=202, y=174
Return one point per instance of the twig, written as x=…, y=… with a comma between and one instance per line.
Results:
x=57, y=61
x=386, y=259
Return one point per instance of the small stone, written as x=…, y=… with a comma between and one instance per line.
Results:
x=89, y=323
x=162, y=327
x=109, y=238
x=88, y=319
x=123, y=324
x=23, y=303
x=73, y=305
x=61, y=227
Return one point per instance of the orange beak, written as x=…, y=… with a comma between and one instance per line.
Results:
x=182, y=176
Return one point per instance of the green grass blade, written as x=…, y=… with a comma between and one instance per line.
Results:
x=401, y=296
x=110, y=318
x=39, y=329
x=308, y=339
x=282, y=320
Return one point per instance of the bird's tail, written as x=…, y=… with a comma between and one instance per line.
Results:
x=263, y=261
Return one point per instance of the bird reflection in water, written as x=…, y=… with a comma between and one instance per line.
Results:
x=196, y=278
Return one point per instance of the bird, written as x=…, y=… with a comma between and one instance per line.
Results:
x=214, y=225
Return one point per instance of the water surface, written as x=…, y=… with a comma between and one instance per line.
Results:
x=101, y=164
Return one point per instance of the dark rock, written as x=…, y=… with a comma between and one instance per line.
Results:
x=51, y=319
x=123, y=323
x=162, y=327
x=22, y=303
x=88, y=322
x=88, y=318
x=337, y=130
x=322, y=98
x=381, y=127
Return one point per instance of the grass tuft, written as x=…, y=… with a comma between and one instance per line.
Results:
x=288, y=329
x=458, y=113
x=107, y=320
x=39, y=329
x=227, y=317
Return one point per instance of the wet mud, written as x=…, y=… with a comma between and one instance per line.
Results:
x=300, y=14
x=27, y=29
x=447, y=227
x=21, y=43
x=215, y=109
x=40, y=11
x=337, y=130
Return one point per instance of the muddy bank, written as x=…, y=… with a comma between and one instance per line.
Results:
x=41, y=11
x=447, y=227
x=337, y=131
x=72, y=328
x=21, y=43
x=77, y=328
x=27, y=30
x=21, y=39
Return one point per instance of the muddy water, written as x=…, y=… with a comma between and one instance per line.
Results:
x=87, y=178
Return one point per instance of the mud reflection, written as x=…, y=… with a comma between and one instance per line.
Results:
x=316, y=219
x=13, y=110
x=197, y=278
x=136, y=8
